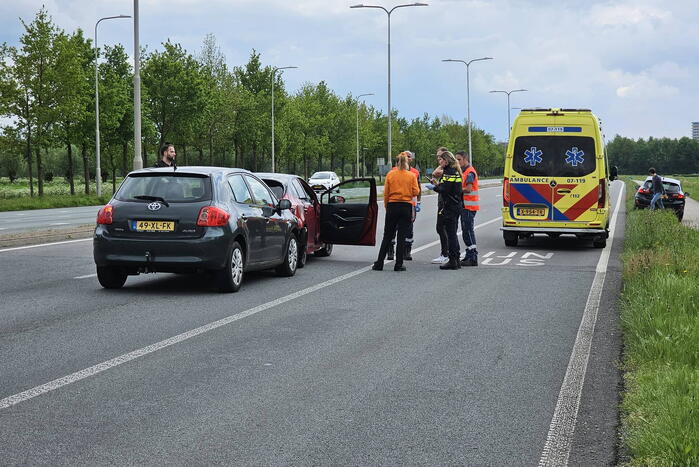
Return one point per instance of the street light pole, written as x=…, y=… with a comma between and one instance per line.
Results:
x=137, y=159
x=358, y=97
x=98, y=169
x=274, y=72
x=388, y=12
x=468, y=97
x=509, y=125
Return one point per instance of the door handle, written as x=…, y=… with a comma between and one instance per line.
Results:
x=562, y=191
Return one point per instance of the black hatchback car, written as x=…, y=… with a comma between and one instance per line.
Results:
x=674, y=196
x=221, y=221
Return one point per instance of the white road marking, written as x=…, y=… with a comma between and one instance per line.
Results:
x=127, y=357
x=560, y=436
x=44, y=244
x=85, y=276
x=59, y=223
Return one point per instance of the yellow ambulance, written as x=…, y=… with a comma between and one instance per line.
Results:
x=556, y=177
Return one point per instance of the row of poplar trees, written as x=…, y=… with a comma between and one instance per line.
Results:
x=214, y=115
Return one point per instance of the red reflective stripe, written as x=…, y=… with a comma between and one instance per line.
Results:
x=585, y=203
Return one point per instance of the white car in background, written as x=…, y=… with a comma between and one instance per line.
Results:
x=321, y=181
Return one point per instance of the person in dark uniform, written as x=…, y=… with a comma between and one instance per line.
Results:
x=450, y=188
x=167, y=156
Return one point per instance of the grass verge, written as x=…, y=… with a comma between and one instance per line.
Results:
x=660, y=319
x=52, y=201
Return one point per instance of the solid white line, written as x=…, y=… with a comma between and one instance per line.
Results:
x=560, y=436
x=59, y=223
x=127, y=357
x=44, y=244
x=85, y=276
x=436, y=242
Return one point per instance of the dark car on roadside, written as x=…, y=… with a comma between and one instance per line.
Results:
x=674, y=197
x=221, y=221
x=348, y=221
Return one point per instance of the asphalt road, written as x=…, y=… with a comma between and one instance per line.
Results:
x=22, y=221
x=425, y=367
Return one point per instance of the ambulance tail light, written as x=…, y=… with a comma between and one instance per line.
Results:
x=506, y=192
x=602, y=193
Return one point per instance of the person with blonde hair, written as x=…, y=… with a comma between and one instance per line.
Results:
x=449, y=188
x=399, y=190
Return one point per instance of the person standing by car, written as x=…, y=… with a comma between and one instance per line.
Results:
x=470, y=208
x=167, y=156
x=441, y=231
x=658, y=189
x=450, y=188
x=399, y=190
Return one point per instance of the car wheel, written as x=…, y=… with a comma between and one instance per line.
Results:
x=599, y=241
x=111, y=277
x=680, y=215
x=303, y=257
x=511, y=238
x=230, y=278
x=325, y=251
x=291, y=257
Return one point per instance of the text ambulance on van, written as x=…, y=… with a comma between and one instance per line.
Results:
x=556, y=177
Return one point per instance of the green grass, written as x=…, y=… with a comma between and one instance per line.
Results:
x=660, y=319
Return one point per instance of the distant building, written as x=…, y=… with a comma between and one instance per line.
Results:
x=695, y=130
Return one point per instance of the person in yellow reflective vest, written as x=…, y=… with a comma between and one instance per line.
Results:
x=450, y=188
x=471, y=206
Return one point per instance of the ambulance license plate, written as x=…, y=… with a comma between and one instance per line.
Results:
x=153, y=226
x=533, y=212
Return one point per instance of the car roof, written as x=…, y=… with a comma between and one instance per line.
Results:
x=194, y=169
x=277, y=176
x=666, y=179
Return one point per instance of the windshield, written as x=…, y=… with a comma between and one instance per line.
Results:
x=554, y=156
x=180, y=188
x=321, y=175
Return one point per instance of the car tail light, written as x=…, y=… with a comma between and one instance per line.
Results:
x=506, y=192
x=212, y=216
x=602, y=193
x=678, y=196
x=644, y=191
x=105, y=215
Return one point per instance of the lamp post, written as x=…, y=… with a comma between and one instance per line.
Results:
x=274, y=72
x=508, y=107
x=388, y=12
x=98, y=169
x=468, y=97
x=361, y=95
x=137, y=159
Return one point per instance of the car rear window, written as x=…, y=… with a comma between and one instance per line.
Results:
x=669, y=186
x=176, y=188
x=554, y=156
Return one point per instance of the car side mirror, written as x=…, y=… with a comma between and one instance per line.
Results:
x=283, y=204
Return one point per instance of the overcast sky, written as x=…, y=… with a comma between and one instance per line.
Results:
x=635, y=63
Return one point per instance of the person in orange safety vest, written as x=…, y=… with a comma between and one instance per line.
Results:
x=471, y=207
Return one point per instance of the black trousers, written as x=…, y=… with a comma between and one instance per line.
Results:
x=442, y=232
x=451, y=227
x=409, y=236
x=398, y=219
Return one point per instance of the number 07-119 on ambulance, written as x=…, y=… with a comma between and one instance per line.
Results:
x=556, y=177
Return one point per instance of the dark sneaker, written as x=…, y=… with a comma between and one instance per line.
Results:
x=377, y=266
x=398, y=268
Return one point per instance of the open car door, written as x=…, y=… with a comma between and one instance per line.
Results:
x=348, y=213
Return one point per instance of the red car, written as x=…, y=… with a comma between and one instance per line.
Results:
x=354, y=223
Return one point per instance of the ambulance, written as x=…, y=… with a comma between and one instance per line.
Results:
x=556, y=177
